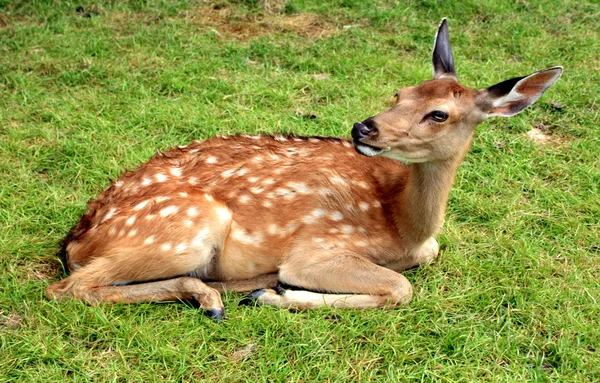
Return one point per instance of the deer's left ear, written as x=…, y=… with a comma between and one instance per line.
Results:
x=512, y=96
x=442, y=60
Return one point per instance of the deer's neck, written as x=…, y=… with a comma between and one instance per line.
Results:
x=421, y=204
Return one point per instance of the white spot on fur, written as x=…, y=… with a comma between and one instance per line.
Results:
x=149, y=240
x=362, y=184
x=175, y=172
x=290, y=227
x=338, y=180
x=141, y=205
x=111, y=212
x=162, y=199
x=130, y=220
x=350, y=207
x=168, y=211
x=146, y=181
x=223, y=213
x=256, y=190
x=183, y=194
x=227, y=173
x=211, y=160
x=192, y=180
x=280, y=138
x=318, y=213
x=267, y=204
x=309, y=219
x=361, y=243
x=150, y=217
x=243, y=236
x=268, y=181
x=245, y=199
x=312, y=139
x=347, y=144
x=300, y=187
x=181, y=248
x=188, y=223
x=209, y=198
x=132, y=232
x=200, y=238
x=252, y=179
x=363, y=206
x=281, y=192
x=160, y=177
x=376, y=204
x=273, y=229
x=319, y=240
x=242, y=172
x=347, y=229
x=166, y=246
x=118, y=184
x=192, y=212
x=336, y=216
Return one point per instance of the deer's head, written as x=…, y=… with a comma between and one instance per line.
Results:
x=435, y=120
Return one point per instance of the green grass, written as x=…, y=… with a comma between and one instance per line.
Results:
x=514, y=295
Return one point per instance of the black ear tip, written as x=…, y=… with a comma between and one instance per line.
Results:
x=444, y=22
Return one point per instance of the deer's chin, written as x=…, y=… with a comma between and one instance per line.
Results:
x=395, y=155
x=369, y=150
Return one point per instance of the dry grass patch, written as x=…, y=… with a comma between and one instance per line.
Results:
x=230, y=23
x=541, y=135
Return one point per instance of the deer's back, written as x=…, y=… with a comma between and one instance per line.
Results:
x=281, y=193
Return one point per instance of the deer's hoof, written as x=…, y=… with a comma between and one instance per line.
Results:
x=216, y=314
x=252, y=298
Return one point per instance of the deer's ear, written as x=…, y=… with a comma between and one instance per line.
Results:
x=512, y=96
x=442, y=60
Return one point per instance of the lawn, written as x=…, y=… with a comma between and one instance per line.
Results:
x=88, y=90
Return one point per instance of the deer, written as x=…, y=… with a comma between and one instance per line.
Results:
x=295, y=222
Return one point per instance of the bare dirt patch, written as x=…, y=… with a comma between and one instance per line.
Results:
x=230, y=23
x=10, y=321
x=244, y=352
x=541, y=135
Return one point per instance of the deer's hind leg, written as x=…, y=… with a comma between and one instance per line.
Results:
x=346, y=280
x=148, y=256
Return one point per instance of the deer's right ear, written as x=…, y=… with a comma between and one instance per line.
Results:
x=442, y=59
x=512, y=96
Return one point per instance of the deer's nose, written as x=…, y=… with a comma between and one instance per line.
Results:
x=363, y=129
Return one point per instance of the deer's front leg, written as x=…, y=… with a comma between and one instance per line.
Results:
x=339, y=280
x=421, y=255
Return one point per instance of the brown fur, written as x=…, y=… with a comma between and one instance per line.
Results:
x=239, y=213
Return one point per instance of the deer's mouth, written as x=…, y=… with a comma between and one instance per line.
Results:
x=368, y=150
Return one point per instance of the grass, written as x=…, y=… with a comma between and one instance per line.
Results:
x=514, y=294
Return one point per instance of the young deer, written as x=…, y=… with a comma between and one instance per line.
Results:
x=337, y=220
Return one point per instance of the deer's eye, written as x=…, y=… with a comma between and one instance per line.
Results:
x=438, y=116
